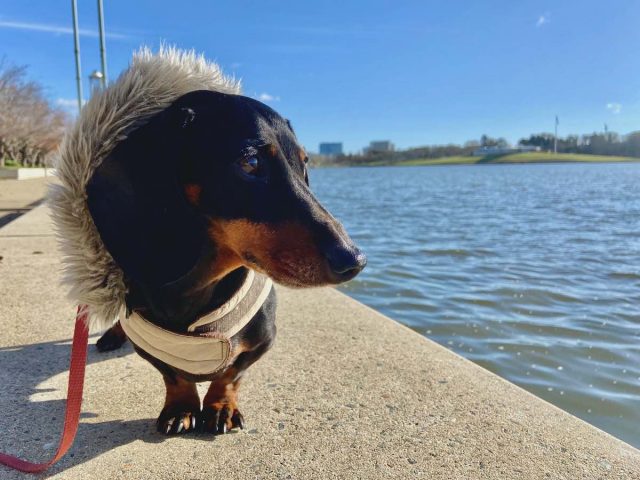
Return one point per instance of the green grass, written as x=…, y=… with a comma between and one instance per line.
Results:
x=457, y=160
x=532, y=157
x=538, y=157
x=10, y=164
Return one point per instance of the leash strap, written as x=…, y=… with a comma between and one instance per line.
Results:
x=74, y=399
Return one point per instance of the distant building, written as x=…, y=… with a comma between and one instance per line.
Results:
x=483, y=151
x=379, y=146
x=331, y=149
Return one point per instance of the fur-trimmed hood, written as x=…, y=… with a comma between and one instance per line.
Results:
x=150, y=84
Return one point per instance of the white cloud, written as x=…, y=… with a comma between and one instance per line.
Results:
x=542, y=20
x=266, y=97
x=614, y=107
x=235, y=65
x=57, y=29
x=68, y=104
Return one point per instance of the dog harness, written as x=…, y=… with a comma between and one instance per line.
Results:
x=205, y=348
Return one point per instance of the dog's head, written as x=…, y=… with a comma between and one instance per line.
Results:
x=213, y=183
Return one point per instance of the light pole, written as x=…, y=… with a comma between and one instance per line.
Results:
x=76, y=49
x=96, y=81
x=555, y=137
x=103, y=51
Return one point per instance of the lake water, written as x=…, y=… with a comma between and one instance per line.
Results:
x=532, y=271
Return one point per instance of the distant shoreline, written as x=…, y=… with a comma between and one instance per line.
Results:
x=515, y=158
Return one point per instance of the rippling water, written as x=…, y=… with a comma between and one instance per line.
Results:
x=532, y=271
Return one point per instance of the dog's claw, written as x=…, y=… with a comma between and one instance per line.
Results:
x=237, y=420
x=176, y=421
x=220, y=419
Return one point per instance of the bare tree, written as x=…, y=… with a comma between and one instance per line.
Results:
x=30, y=128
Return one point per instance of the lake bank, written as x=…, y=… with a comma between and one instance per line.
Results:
x=515, y=158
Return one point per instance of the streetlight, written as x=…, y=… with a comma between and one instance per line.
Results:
x=95, y=81
x=103, y=50
x=76, y=50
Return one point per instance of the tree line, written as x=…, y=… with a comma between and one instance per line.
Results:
x=30, y=127
x=597, y=143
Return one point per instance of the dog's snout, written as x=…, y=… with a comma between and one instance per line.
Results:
x=345, y=263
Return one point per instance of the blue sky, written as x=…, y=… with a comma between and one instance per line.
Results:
x=414, y=72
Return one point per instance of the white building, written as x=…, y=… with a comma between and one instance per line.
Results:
x=379, y=146
x=483, y=151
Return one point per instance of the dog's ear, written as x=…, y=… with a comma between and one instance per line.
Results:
x=138, y=204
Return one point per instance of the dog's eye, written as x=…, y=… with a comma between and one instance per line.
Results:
x=250, y=166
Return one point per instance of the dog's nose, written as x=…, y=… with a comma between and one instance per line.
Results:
x=345, y=263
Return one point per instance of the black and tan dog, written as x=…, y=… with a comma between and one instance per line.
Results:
x=211, y=186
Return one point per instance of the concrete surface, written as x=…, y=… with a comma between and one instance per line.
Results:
x=17, y=197
x=345, y=393
x=25, y=173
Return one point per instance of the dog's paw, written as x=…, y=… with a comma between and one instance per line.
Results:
x=112, y=339
x=220, y=418
x=177, y=419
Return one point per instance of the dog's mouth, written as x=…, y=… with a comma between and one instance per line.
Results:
x=292, y=270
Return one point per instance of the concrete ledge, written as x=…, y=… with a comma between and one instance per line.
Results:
x=346, y=393
x=25, y=173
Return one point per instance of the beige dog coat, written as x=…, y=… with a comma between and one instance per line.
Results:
x=206, y=346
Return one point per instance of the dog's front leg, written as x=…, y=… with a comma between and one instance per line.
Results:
x=112, y=339
x=181, y=406
x=220, y=405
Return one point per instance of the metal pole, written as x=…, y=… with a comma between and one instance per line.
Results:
x=555, y=138
x=76, y=47
x=103, y=52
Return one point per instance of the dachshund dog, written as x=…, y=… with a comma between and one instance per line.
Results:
x=219, y=187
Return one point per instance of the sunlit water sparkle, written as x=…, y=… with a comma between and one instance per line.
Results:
x=531, y=271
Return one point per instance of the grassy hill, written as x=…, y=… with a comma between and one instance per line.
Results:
x=533, y=157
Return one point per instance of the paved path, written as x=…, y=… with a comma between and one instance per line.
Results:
x=345, y=394
x=19, y=196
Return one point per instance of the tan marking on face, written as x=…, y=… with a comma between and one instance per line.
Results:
x=273, y=150
x=227, y=260
x=286, y=252
x=302, y=154
x=193, y=191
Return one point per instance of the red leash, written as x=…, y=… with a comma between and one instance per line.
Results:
x=74, y=399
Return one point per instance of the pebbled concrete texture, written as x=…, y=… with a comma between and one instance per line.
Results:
x=345, y=393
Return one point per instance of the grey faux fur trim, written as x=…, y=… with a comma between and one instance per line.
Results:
x=149, y=85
